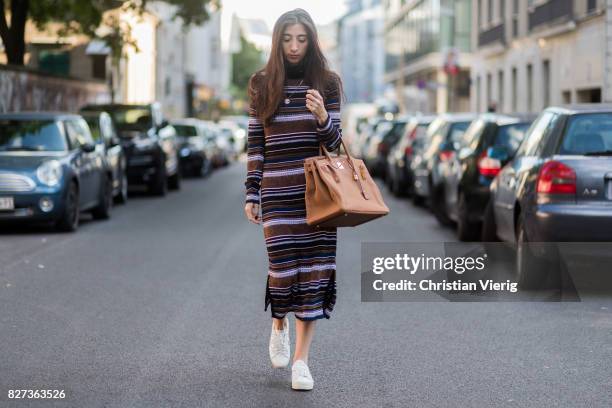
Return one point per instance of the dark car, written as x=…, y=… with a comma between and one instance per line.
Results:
x=105, y=135
x=50, y=170
x=380, y=143
x=149, y=143
x=399, y=173
x=558, y=187
x=444, y=135
x=195, y=149
x=487, y=145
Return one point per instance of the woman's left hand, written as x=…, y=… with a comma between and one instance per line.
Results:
x=314, y=102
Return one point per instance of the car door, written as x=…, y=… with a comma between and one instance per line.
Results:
x=513, y=177
x=84, y=162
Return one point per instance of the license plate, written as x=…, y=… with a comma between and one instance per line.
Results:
x=7, y=203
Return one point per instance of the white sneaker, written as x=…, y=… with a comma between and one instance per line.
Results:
x=300, y=376
x=280, y=347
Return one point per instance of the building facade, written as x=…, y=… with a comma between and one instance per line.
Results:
x=530, y=54
x=360, y=52
x=427, y=54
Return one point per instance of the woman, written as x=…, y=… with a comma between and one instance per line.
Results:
x=294, y=106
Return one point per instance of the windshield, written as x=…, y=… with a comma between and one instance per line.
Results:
x=185, y=130
x=457, y=130
x=588, y=134
x=510, y=136
x=131, y=118
x=31, y=135
x=94, y=127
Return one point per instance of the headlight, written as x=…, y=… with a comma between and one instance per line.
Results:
x=49, y=173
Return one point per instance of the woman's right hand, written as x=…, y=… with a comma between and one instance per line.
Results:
x=252, y=212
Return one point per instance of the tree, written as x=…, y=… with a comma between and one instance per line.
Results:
x=244, y=64
x=84, y=17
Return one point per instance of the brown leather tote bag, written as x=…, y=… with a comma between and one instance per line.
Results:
x=340, y=191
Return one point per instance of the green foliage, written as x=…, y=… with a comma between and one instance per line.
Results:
x=86, y=17
x=244, y=64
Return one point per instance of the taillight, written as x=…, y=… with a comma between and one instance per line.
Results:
x=408, y=151
x=446, y=155
x=488, y=166
x=556, y=178
x=413, y=134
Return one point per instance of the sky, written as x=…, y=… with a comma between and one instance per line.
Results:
x=321, y=11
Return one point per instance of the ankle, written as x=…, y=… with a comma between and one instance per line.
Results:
x=296, y=358
x=278, y=324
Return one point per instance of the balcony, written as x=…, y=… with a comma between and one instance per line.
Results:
x=492, y=35
x=551, y=12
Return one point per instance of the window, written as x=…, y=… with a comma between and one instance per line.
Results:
x=500, y=89
x=546, y=82
x=529, y=88
x=31, y=135
x=489, y=96
x=98, y=66
x=588, y=133
x=502, y=11
x=490, y=11
x=514, y=90
x=78, y=133
x=537, y=134
x=478, y=94
x=471, y=137
x=591, y=6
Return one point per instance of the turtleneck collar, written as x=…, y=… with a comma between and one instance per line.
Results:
x=294, y=71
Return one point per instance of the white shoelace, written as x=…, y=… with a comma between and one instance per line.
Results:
x=280, y=343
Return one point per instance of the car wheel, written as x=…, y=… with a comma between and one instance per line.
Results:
x=530, y=270
x=437, y=206
x=102, y=210
x=69, y=220
x=174, y=181
x=466, y=230
x=122, y=197
x=489, y=228
x=159, y=185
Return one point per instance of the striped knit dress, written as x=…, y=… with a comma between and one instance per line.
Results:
x=301, y=258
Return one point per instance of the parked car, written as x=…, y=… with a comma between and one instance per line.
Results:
x=105, y=136
x=487, y=145
x=399, y=173
x=195, y=150
x=558, y=187
x=380, y=143
x=50, y=170
x=235, y=135
x=440, y=147
x=241, y=133
x=149, y=143
x=223, y=149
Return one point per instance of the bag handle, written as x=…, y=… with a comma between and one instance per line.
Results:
x=350, y=162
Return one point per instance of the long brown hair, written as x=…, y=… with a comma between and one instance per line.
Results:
x=266, y=85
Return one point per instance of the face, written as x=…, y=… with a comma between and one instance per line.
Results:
x=295, y=43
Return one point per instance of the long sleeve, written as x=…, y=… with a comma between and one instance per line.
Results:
x=255, y=156
x=331, y=131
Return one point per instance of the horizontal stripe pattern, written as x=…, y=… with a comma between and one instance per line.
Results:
x=301, y=259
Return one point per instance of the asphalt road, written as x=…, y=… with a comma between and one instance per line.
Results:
x=162, y=306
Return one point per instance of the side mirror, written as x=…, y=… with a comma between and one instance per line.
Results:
x=498, y=152
x=88, y=147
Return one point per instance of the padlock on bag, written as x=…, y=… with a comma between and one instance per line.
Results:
x=340, y=191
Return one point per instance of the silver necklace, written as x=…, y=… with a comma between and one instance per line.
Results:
x=287, y=99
